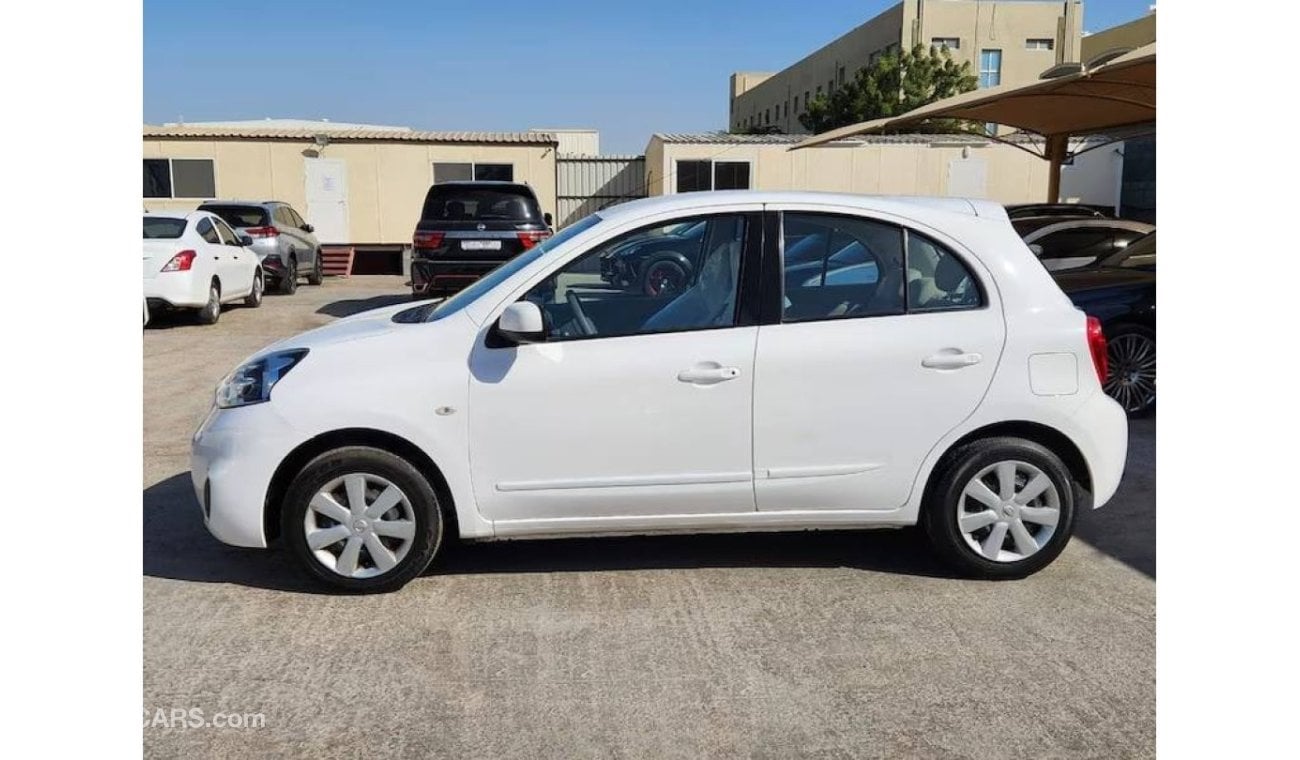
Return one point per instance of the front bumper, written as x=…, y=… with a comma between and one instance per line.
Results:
x=444, y=277
x=233, y=456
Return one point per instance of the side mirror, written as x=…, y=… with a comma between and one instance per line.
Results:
x=548, y=219
x=521, y=322
x=245, y=240
x=1036, y=249
x=307, y=227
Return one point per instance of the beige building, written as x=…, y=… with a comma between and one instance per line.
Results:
x=357, y=184
x=1005, y=42
x=943, y=165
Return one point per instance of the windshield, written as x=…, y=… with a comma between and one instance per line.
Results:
x=500, y=274
x=163, y=227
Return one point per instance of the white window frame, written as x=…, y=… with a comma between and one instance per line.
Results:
x=713, y=170
x=473, y=169
x=1034, y=43
x=983, y=71
x=171, y=178
x=942, y=42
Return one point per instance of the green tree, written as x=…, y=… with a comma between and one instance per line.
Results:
x=894, y=84
x=758, y=129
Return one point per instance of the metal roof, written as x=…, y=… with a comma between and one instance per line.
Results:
x=336, y=133
x=725, y=138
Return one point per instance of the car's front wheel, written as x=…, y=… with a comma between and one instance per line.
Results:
x=362, y=519
x=1000, y=508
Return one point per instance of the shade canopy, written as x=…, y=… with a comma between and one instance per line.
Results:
x=1114, y=95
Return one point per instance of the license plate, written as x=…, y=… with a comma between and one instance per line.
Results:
x=480, y=245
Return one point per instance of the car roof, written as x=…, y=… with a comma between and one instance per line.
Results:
x=241, y=203
x=902, y=205
x=486, y=185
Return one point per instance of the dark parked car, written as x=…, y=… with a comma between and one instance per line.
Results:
x=1121, y=292
x=1025, y=210
x=467, y=229
x=1071, y=243
x=656, y=265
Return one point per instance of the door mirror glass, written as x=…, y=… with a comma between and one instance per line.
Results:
x=307, y=227
x=548, y=218
x=245, y=240
x=521, y=322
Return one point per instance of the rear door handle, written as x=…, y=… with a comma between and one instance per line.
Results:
x=951, y=360
x=708, y=373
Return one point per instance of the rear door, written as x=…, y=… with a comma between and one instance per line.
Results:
x=244, y=262
x=885, y=341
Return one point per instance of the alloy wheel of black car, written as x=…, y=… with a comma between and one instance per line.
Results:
x=1131, y=354
x=664, y=278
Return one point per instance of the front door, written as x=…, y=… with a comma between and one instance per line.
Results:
x=638, y=404
x=327, y=199
x=886, y=342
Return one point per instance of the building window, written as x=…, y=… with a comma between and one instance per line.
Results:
x=767, y=116
x=806, y=100
x=786, y=110
x=819, y=91
x=952, y=43
x=796, y=104
x=840, y=75
x=990, y=68
x=830, y=85
x=712, y=175
x=465, y=172
x=1040, y=43
x=180, y=178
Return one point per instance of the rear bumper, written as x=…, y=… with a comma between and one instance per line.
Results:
x=176, y=289
x=442, y=276
x=1102, y=436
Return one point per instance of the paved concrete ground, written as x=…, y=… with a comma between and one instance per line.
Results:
x=825, y=645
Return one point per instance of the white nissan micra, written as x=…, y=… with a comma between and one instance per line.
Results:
x=824, y=361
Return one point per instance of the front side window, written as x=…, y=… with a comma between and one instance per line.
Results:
x=692, y=267
x=226, y=235
x=839, y=266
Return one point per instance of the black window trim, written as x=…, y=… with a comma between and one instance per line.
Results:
x=752, y=270
x=171, y=177
x=773, y=292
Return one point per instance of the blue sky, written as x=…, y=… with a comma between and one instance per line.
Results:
x=627, y=69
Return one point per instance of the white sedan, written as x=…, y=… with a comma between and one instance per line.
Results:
x=194, y=260
x=950, y=383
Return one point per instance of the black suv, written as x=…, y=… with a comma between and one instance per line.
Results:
x=467, y=229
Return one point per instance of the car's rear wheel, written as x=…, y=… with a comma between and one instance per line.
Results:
x=1131, y=354
x=211, y=311
x=254, y=297
x=362, y=519
x=1000, y=508
x=289, y=277
x=317, y=275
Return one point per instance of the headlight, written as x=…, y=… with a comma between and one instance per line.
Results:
x=252, y=383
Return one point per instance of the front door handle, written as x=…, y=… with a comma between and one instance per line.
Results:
x=708, y=373
x=951, y=359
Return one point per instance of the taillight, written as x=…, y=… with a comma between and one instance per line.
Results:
x=427, y=239
x=1097, y=345
x=261, y=232
x=181, y=262
x=530, y=239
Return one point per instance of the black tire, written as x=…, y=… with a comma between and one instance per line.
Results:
x=254, y=299
x=317, y=274
x=1125, y=347
x=211, y=311
x=427, y=514
x=289, y=279
x=959, y=468
x=663, y=273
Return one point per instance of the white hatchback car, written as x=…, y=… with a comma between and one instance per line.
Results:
x=933, y=373
x=194, y=260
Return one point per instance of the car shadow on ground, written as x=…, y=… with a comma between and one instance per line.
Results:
x=1126, y=527
x=347, y=308
x=178, y=546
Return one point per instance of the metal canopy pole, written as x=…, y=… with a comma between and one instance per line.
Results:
x=1057, y=147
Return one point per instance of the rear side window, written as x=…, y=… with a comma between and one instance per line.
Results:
x=240, y=216
x=163, y=228
x=206, y=231
x=839, y=266
x=937, y=280
x=463, y=204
